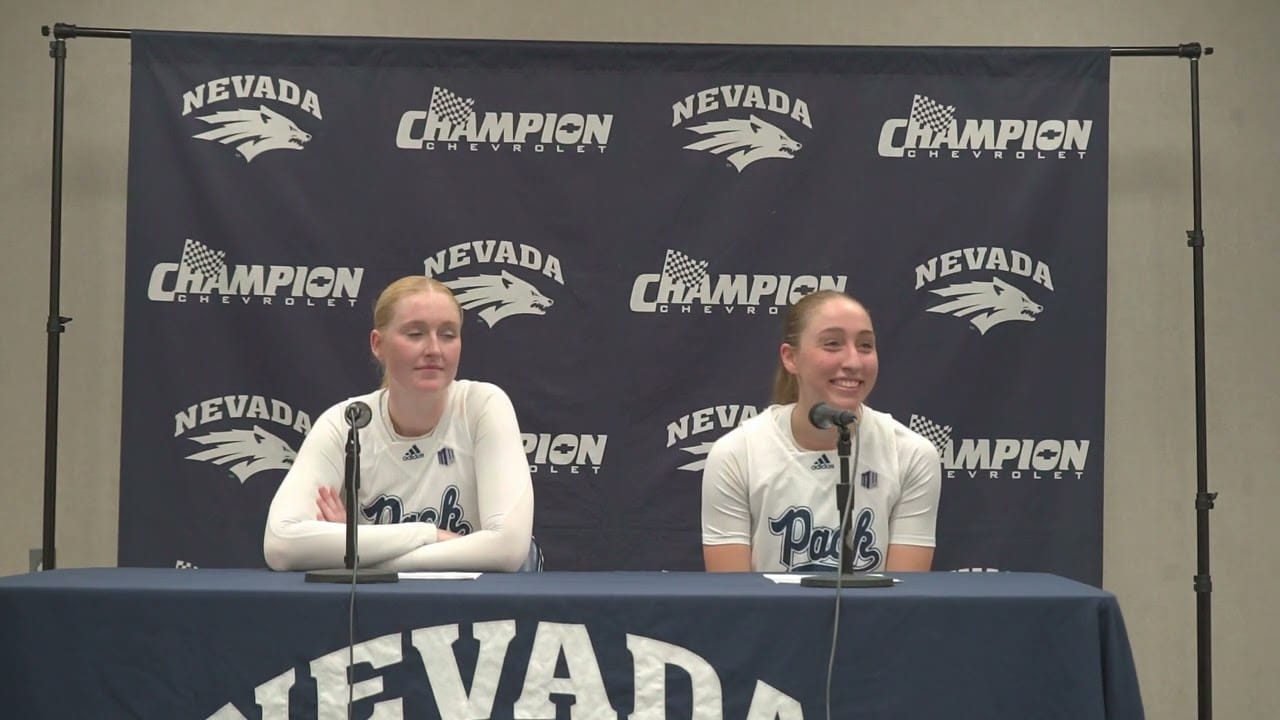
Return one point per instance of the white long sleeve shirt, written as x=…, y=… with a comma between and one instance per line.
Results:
x=469, y=475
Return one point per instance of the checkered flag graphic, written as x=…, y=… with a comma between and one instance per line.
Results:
x=200, y=258
x=931, y=114
x=448, y=105
x=937, y=434
x=683, y=269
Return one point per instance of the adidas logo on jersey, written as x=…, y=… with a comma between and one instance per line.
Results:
x=822, y=463
x=413, y=453
x=445, y=456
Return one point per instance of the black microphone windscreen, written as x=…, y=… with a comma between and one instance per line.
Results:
x=823, y=416
x=358, y=414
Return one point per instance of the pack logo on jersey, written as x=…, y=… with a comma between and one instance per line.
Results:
x=202, y=275
x=806, y=546
x=241, y=433
x=567, y=453
x=707, y=425
x=445, y=456
x=822, y=463
x=250, y=127
x=686, y=286
x=557, y=664
x=974, y=292
x=742, y=123
x=483, y=277
x=932, y=130
x=413, y=453
x=451, y=123
x=448, y=515
x=1006, y=458
x=869, y=479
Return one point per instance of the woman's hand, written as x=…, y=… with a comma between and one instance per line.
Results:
x=330, y=504
x=332, y=509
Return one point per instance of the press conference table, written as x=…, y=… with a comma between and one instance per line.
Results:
x=156, y=643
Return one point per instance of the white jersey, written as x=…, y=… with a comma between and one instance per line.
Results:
x=761, y=489
x=469, y=475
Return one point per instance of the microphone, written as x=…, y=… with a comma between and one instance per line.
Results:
x=358, y=414
x=824, y=416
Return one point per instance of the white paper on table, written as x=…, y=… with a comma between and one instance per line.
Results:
x=785, y=578
x=793, y=579
x=439, y=575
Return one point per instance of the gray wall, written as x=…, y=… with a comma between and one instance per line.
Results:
x=1150, y=460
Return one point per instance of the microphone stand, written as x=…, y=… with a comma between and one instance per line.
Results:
x=357, y=415
x=846, y=577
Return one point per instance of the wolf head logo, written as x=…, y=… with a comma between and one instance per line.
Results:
x=252, y=451
x=499, y=296
x=989, y=303
x=254, y=132
x=746, y=141
x=699, y=451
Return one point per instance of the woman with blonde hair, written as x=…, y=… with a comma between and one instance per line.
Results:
x=444, y=483
x=768, y=488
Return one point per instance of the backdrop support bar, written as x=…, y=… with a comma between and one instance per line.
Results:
x=1186, y=50
x=62, y=31
x=55, y=323
x=1203, y=582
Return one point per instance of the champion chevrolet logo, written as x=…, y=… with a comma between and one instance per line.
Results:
x=451, y=123
x=933, y=130
x=1007, y=458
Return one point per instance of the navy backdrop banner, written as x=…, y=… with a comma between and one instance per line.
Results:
x=626, y=225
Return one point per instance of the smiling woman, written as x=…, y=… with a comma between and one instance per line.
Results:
x=768, y=488
x=444, y=481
